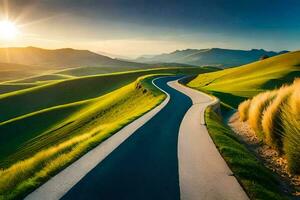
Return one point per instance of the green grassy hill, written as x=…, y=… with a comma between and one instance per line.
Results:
x=18, y=103
x=26, y=113
x=25, y=62
x=12, y=71
x=65, y=134
x=235, y=84
x=11, y=87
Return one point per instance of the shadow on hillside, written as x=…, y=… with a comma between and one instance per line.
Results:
x=276, y=83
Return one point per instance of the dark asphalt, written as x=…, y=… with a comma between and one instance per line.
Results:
x=145, y=166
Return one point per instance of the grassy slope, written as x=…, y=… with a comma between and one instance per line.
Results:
x=11, y=71
x=41, y=78
x=56, y=93
x=87, y=71
x=74, y=135
x=47, y=106
x=11, y=87
x=258, y=181
x=29, y=82
x=235, y=84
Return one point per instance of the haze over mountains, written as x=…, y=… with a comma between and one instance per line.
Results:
x=16, y=63
x=59, y=58
x=213, y=56
x=24, y=62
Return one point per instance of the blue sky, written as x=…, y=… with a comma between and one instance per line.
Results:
x=134, y=27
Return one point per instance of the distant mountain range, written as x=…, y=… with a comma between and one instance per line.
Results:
x=214, y=56
x=60, y=58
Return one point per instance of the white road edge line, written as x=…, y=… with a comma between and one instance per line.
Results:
x=61, y=183
x=203, y=173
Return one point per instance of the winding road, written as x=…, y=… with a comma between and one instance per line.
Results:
x=165, y=154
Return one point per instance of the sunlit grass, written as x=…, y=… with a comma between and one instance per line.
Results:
x=248, y=80
x=271, y=121
x=90, y=126
x=244, y=109
x=256, y=179
x=258, y=105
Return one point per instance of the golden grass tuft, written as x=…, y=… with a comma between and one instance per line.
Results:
x=276, y=115
x=294, y=101
x=291, y=125
x=258, y=104
x=243, y=110
x=271, y=120
x=291, y=139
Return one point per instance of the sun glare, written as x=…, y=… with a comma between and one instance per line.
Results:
x=8, y=30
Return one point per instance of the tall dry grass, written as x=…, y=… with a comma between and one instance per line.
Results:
x=18, y=175
x=271, y=120
x=291, y=126
x=243, y=110
x=294, y=101
x=258, y=105
x=276, y=115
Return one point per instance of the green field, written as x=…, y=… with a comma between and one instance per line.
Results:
x=258, y=181
x=235, y=84
x=60, y=135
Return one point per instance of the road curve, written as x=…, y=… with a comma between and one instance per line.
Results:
x=157, y=158
x=203, y=173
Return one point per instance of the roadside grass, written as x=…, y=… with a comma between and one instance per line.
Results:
x=258, y=104
x=88, y=127
x=243, y=109
x=257, y=180
x=291, y=126
x=235, y=85
x=271, y=120
x=291, y=142
x=279, y=121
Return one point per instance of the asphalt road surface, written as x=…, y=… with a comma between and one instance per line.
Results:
x=145, y=166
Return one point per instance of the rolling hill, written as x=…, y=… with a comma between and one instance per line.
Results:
x=235, y=84
x=59, y=58
x=11, y=71
x=214, y=56
x=16, y=63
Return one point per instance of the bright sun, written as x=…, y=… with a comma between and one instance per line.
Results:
x=8, y=30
